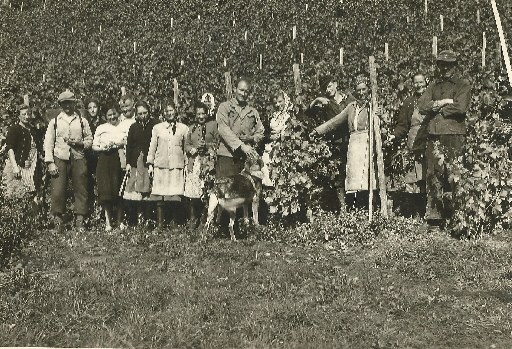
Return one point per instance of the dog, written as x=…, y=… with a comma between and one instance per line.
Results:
x=241, y=190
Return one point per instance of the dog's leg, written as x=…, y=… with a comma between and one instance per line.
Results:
x=219, y=213
x=246, y=213
x=212, y=205
x=255, y=208
x=232, y=218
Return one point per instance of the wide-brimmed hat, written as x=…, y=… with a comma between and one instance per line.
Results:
x=66, y=96
x=323, y=81
x=447, y=56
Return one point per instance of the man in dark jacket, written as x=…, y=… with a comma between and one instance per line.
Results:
x=324, y=108
x=444, y=104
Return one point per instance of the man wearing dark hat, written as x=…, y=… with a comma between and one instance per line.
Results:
x=444, y=104
x=324, y=108
x=67, y=135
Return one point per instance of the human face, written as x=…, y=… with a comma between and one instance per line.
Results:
x=446, y=69
x=331, y=89
x=92, y=108
x=419, y=84
x=242, y=91
x=25, y=116
x=127, y=108
x=170, y=113
x=142, y=113
x=113, y=117
x=208, y=102
x=362, y=92
x=200, y=115
x=279, y=103
x=68, y=107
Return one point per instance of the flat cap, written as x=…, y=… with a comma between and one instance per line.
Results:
x=447, y=56
x=66, y=96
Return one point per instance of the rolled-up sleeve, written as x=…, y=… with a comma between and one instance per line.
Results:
x=334, y=122
x=225, y=131
x=49, y=141
x=259, y=132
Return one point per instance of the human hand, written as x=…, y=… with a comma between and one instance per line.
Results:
x=150, y=170
x=128, y=168
x=249, y=151
x=16, y=171
x=246, y=138
x=193, y=151
x=53, y=169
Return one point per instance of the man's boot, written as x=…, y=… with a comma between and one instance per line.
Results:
x=341, y=198
x=80, y=223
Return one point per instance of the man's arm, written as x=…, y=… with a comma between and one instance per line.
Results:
x=225, y=131
x=425, y=103
x=404, y=119
x=49, y=142
x=87, y=135
x=460, y=101
x=334, y=122
x=259, y=132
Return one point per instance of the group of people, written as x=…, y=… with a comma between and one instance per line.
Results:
x=140, y=161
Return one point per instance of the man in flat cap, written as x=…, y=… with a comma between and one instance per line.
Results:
x=322, y=109
x=67, y=135
x=444, y=104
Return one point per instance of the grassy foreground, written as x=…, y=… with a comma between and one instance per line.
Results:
x=144, y=291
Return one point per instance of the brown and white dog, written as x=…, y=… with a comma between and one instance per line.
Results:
x=241, y=190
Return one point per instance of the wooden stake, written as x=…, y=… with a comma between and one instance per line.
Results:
x=484, y=47
x=307, y=7
x=245, y=35
x=99, y=48
x=225, y=62
x=503, y=43
x=182, y=62
x=294, y=32
x=441, y=20
x=100, y=28
x=386, y=51
x=296, y=79
x=172, y=22
x=426, y=6
x=233, y=22
x=341, y=56
x=199, y=17
x=26, y=99
x=378, y=143
x=44, y=77
x=21, y=10
x=229, y=87
x=408, y=19
x=434, y=46
x=134, y=46
x=302, y=58
x=176, y=92
x=123, y=91
x=72, y=30
x=44, y=5
x=478, y=16
x=261, y=61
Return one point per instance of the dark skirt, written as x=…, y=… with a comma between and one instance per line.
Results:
x=108, y=176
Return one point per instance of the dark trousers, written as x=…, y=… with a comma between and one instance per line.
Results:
x=228, y=166
x=76, y=169
x=439, y=185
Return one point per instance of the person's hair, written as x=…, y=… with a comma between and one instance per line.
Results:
x=143, y=104
x=417, y=74
x=127, y=97
x=278, y=94
x=168, y=102
x=23, y=107
x=243, y=78
x=112, y=105
x=200, y=105
x=90, y=100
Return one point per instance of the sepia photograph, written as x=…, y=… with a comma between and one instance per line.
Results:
x=256, y=174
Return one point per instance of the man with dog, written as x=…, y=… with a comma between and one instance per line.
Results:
x=240, y=131
x=444, y=104
x=324, y=108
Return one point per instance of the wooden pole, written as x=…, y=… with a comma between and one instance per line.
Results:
x=378, y=142
x=302, y=58
x=99, y=48
x=100, y=28
x=229, y=87
x=176, y=92
x=370, y=139
x=225, y=62
x=134, y=46
x=441, y=21
x=484, y=47
x=296, y=79
x=26, y=99
x=307, y=7
x=172, y=22
x=245, y=35
x=44, y=77
x=434, y=46
x=426, y=6
x=261, y=61
x=386, y=51
x=341, y=56
x=503, y=43
x=44, y=5
x=478, y=16
x=294, y=32
x=123, y=91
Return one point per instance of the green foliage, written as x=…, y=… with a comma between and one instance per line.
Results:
x=300, y=167
x=16, y=227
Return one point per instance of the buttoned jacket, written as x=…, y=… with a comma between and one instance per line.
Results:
x=167, y=148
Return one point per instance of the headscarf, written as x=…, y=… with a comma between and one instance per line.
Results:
x=209, y=96
x=280, y=117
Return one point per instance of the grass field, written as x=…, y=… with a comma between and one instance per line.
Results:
x=414, y=290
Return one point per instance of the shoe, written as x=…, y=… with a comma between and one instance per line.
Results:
x=122, y=226
x=59, y=225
